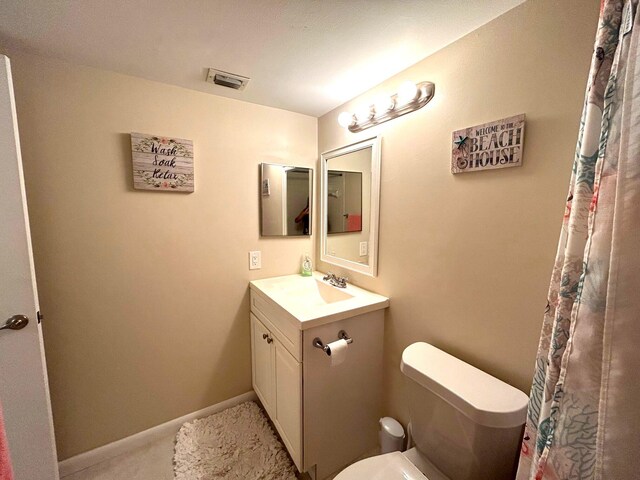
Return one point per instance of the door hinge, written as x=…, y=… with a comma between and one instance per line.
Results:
x=40, y=317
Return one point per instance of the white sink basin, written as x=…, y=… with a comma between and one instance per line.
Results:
x=312, y=301
x=311, y=291
x=329, y=293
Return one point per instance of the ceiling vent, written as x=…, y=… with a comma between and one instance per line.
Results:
x=226, y=79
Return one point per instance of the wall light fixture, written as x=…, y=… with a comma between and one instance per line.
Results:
x=410, y=97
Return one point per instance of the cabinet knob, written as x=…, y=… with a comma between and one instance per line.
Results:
x=269, y=339
x=265, y=336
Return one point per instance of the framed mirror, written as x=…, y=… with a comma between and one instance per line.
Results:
x=350, y=204
x=286, y=199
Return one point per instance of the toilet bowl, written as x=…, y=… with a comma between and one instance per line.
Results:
x=466, y=424
x=392, y=466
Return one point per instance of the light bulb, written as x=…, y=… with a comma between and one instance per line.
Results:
x=383, y=105
x=345, y=119
x=363, y=114
x=407, y=92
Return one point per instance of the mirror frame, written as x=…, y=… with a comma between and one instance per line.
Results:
x=374, y=217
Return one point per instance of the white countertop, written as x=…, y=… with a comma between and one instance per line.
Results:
x=313, y=302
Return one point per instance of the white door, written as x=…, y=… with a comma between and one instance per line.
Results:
x=24, y=392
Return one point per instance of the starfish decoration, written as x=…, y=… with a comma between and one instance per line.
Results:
x=461, y=142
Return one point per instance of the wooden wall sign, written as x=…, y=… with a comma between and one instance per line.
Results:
x=162, y=163
x=490, y=145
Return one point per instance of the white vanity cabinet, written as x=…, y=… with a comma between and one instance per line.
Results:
x=277, y=380
x=327, y=416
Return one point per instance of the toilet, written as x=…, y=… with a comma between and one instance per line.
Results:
x=465, y=424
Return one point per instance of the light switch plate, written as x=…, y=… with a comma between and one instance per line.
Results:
x=363, y=249
x=255, y=260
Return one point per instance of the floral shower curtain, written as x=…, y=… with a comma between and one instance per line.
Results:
x=583, y=420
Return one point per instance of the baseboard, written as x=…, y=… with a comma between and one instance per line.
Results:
x=106, y=452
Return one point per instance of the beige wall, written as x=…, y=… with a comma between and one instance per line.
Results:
x=466, y=259
x=144, y=293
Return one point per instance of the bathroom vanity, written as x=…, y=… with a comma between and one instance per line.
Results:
x=326, y=415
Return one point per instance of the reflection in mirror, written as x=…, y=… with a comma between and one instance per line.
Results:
x=350, y=187
x=348, y=199
x=344, y=201
x=285, y=200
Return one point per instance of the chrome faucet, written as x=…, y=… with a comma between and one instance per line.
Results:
x=340, y=282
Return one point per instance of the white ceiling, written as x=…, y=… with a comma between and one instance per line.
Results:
x=308, y=56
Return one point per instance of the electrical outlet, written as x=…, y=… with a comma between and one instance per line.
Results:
x=363, y=249
x=255, y=260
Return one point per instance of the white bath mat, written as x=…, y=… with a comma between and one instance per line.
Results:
x=235, y=444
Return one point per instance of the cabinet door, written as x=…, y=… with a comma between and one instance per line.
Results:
x=262, y=363
x=288, y=385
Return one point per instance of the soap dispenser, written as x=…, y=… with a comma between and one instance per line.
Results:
x=306, y=269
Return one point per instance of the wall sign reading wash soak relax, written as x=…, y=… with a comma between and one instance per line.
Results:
x=162, y=163
x=490, y=145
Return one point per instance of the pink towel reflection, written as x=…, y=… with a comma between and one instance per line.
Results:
x=354, y=223
x=6, y=472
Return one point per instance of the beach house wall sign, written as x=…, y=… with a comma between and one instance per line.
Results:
x=488, y=146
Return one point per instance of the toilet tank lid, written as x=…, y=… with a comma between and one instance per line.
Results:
x=481, y=397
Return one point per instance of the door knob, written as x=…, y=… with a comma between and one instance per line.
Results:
x=17, y=322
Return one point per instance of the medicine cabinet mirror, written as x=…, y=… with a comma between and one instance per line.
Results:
x=285, y=200
x=350, y=206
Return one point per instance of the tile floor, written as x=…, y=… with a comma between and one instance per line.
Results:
x=153, y=461
x=150, y=462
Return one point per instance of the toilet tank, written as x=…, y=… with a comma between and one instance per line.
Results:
x=464, y=421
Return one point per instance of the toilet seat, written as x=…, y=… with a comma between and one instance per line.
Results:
x=390, y=466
